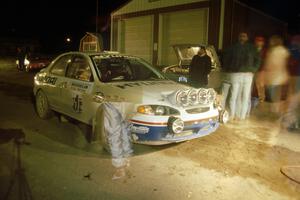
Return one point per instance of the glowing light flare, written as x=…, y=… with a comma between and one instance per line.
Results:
x=68, y=40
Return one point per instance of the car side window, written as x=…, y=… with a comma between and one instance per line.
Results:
x=80, y=69
x=60, y=65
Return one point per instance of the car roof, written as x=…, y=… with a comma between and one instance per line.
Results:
x=101, y=54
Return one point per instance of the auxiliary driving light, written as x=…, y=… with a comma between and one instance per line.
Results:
x=182, y=97
x=202, y=96
x=175, y=125
x=211, y=95
x=193, y=97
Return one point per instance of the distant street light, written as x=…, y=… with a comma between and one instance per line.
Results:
x=68, y=40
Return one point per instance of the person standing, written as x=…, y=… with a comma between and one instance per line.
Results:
x=240, y=62
x=21, y=58
x=200, y=68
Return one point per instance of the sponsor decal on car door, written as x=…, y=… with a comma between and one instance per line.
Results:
x=55, y=81
x=77, y=94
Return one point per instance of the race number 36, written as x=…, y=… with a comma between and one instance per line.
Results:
x=77, y=104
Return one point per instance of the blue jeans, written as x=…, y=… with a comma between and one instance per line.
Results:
x=236, y=92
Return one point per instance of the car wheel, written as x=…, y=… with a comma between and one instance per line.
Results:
x=42, y=105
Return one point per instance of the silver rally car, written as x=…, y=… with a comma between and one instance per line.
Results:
x=76, y=83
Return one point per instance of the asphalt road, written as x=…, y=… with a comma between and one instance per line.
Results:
x=240, y=160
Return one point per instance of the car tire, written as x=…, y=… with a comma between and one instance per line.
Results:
x=42, y=105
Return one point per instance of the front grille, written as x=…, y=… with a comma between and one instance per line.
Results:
x=197, y=110
x=200, y=121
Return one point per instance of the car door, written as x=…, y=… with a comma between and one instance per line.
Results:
x=55, y=81
x=77, y=95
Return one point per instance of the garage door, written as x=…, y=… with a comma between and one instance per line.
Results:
x=137, y=36
x=178, y=28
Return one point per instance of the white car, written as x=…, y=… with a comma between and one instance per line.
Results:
x=76, y=83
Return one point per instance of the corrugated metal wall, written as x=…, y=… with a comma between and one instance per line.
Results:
x=136, y=37
x=184, y=27
x=140, y=5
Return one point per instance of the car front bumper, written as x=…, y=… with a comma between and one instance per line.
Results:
x=146, y=133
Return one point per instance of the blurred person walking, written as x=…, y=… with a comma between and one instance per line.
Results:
x=291, y=114
x=290, y=118
x=259, y=43
x=294, y=65
x=276, y=74
x=240, y=62
x=200, y=68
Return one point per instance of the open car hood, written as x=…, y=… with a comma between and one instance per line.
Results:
x=185, y=53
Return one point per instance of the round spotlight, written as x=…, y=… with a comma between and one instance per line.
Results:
x=175, y=125
x=193, y=97
x=182, y=98
x=211, y=95
x=202, y=96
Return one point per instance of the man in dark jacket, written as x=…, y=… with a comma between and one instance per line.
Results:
x=21, y=58
x=200, y=68
x=240, y=62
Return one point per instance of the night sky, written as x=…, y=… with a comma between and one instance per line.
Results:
x=285, y=10
x=52, y=21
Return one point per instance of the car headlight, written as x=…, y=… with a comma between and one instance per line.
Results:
x=145, y=110
x=157, y=110
x=160, y=110
x=26, y=62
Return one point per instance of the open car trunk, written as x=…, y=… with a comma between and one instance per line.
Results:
x=185, y=52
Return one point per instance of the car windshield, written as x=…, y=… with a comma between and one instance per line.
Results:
x=122, y=68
